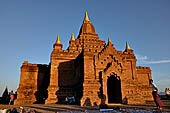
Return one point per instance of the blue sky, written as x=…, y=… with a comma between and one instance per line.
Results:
x=29, y=28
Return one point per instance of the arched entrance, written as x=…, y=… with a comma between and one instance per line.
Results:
x=114, y=89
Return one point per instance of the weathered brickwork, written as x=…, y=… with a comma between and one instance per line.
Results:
x=90, y=70
x=33, y=85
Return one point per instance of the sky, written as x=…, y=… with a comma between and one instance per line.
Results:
x=29, y=28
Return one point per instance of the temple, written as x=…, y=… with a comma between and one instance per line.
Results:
x=90, y=69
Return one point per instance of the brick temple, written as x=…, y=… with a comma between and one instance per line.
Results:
x=91, y=70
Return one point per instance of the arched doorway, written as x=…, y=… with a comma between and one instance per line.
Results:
x=114, y=89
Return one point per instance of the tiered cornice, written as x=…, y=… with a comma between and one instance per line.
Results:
x=87, y=39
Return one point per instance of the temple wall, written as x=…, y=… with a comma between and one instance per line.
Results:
x=64, y=75
x=33, y=81
x=90, y=85
x=144, y=74
x=136, y=90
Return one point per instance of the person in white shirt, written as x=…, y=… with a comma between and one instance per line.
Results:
x=155, y=95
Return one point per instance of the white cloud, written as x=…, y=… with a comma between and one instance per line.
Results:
x=157, y=62
x=162, y=84
x=144, y=60
x=140, y=57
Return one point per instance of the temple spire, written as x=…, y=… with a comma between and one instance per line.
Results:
x=58, y=40
x=86, y=18
x=5, y=93
x=72, y=37
x=127, y=46
x=58, y=44
x=109, y=40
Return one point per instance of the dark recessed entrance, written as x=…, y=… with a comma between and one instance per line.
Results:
x=114, y=89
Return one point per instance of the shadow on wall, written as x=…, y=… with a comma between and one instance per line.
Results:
x=43, y=80
x=125, y=100
x=100, y=94
x=87, y=102
x=70, y=79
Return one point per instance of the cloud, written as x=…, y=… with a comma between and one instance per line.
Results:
x=144, y=60
x=162, y=84
x=140, y=57
x=157, y=62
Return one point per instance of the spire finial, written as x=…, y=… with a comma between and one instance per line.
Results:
x=58, y=40
x=127, y=46
x=86, y=18
x=109, y=39
x=72, y=37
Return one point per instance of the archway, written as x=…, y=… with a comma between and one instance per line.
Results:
x=114, y=89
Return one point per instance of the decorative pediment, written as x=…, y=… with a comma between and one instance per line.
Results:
x=108, y=55
x=114, y=68
x=108, y=61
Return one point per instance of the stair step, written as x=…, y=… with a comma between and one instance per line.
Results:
x=165, y=102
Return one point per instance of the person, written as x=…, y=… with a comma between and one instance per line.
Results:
x=15, y=95
x=167, y=92
x=73, y=98
x=66, y=100
x=11, y=98
x=14, y=110
x=155, y=95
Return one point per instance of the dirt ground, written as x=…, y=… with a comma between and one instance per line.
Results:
x=113, y=108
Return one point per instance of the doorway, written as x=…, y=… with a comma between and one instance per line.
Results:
x=114, y=89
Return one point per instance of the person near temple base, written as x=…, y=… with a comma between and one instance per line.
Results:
x=155, y=95
x=11, y=98
x=167, y=92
